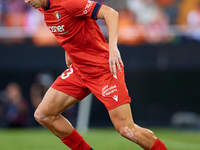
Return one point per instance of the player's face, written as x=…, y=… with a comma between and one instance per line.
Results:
x=36, y=3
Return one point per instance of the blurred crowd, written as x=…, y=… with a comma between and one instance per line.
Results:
x=17, y=110
x=140, y=21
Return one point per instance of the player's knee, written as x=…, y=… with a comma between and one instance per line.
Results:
x=41, y=117
x=129, y=133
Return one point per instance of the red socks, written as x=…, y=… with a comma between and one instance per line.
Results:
x=75, y=141
x=158, y=145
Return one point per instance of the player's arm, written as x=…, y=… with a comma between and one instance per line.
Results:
x=111, y=18
x=67, y=60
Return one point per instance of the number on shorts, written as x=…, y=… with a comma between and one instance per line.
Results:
x=66, y=75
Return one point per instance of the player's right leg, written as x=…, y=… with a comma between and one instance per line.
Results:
x=49, y=115
x=49, y=112
x=67, y=90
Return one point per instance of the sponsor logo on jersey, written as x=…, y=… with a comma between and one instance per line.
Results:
x=87, y=7
x=109, y=90
x=57, y=15
x=57, y=29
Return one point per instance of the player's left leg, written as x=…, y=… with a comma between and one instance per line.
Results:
x=121, y=117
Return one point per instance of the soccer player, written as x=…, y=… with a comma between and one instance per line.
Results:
x=93, y=66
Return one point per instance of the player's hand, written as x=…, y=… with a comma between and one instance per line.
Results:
x=115, y=60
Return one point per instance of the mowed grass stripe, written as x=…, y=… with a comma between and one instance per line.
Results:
x=181, y=145
x=99, y=139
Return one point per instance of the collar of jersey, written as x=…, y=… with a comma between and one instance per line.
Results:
x=48, y=5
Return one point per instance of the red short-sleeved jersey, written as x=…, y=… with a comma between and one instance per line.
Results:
x=74, y=25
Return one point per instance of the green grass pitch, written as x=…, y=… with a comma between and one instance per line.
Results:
x=99, y=139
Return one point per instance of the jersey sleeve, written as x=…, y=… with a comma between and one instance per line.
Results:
x=81, y=8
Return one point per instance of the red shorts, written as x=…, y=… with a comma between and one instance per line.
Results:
x=110, y=90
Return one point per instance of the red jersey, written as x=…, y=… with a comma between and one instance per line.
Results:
x=73, y=22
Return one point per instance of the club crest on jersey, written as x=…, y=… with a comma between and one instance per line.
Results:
x=57, y=15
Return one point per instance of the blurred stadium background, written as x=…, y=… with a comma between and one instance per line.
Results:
x=159, y=42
